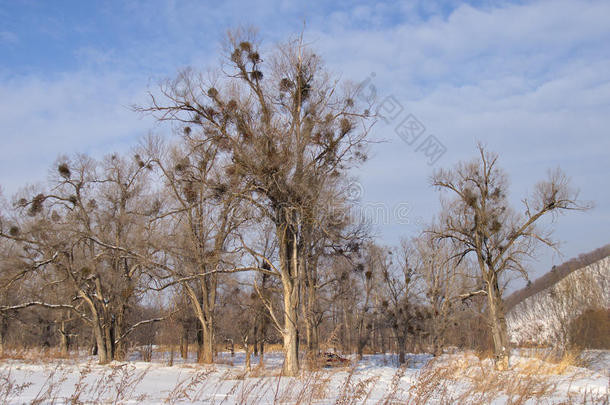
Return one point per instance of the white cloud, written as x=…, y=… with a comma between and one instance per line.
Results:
x=532, y=81
x=79, y=112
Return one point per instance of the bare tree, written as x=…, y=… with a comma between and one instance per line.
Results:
x=201, y=214
x=396, y=282
x=356, y=287
x=478, y=221
x=83, y=240
x=285, y=126
x=329, y=232
x=441, y=283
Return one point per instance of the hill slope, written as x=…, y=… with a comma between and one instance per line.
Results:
x=544, y=314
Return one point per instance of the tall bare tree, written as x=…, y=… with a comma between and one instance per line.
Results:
x=285, y=125
x=479, y=222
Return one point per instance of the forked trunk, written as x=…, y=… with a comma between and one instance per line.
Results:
x=205, y=330
x=98, y=333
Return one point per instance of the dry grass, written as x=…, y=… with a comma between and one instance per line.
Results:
x=37, y=355
x=225, y=361
x=550, y=363
x=9, y=389
x=274, y=348
x=529, y=381
x=190, y=388
x=465, y=378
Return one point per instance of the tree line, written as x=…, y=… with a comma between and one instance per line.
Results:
x=239, y=229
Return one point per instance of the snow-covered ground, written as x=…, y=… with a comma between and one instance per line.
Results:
x=452, y=378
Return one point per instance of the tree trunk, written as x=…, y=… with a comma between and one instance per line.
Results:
x=248, y=352
x=3, y=329
x=109, y=340
x=315, y=339
x=205, y=342
x=309, y=308
x=311, y=335
x=497, y=322
x=290, y=272
x=361, y=342
x=347, y=340
x=360, y=348
x=118, y=350
x=290, y=335
x=261, y=351
x=207, y=354
x=199, y=344
x=208, y=298
x=401, y=342
x=98, y=332
x=205, y=327
x=184, y=342
x=362, y=339
x=100, y=344
x=64, y=339
x=309, y=353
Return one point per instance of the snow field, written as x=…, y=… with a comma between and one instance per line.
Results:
x=452, y=378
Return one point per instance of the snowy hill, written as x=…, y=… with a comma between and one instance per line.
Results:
x=545, y=317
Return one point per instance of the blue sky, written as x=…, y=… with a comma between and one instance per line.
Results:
x=529, y=79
